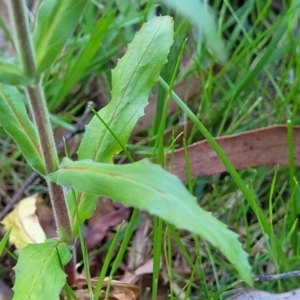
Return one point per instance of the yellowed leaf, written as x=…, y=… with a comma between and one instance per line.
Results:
x=25, y=224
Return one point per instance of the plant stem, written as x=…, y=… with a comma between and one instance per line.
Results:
x=39, y=110
x=40, y=115
x=61, y=214
x=20, y=26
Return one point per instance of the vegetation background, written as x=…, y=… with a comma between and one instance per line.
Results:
x=256, y=84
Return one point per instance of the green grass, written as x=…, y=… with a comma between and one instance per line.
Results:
x=258, y=86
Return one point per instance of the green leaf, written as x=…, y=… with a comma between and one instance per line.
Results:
x=15, y=121
x=149, y=187
x=78, y=65
x=39, y=273
x=56, y=21
x=132, y=81
x=11, y=74
x=200, y=14
x=4, y=240
x=85, y=203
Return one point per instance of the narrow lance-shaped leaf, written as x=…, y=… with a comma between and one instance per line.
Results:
x=15, y=121
x=12, y=74
x=149, y=187
x=39, y=273
x=132, y=81
x=56, y=21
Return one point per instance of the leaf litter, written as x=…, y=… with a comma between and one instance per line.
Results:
x=25, y=224
x=118, y=289
x=252, y=144
x=266, y=146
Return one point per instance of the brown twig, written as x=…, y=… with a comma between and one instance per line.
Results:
x=17, y=196
x=287, y=275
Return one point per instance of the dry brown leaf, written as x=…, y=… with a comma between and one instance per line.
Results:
x=260, y=295
x=103, y=208
x=118, y=289
x=138, y=262
x=134, y=276
x=100, y=229
x=141, y=248
x=25, y=224
x=260, y=147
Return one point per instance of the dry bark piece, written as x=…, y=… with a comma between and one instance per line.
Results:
x=260, y=147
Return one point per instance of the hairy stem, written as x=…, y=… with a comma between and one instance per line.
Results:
x=23, y=44
x=40, y=114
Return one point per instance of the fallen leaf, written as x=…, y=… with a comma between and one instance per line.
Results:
x=134, y=276
x=260, y=147
x=118, y=289
x=104, y=207
x=138, y=262
x=261, y=295
x=100, y=229
x=140, y=249
x=25, y=224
